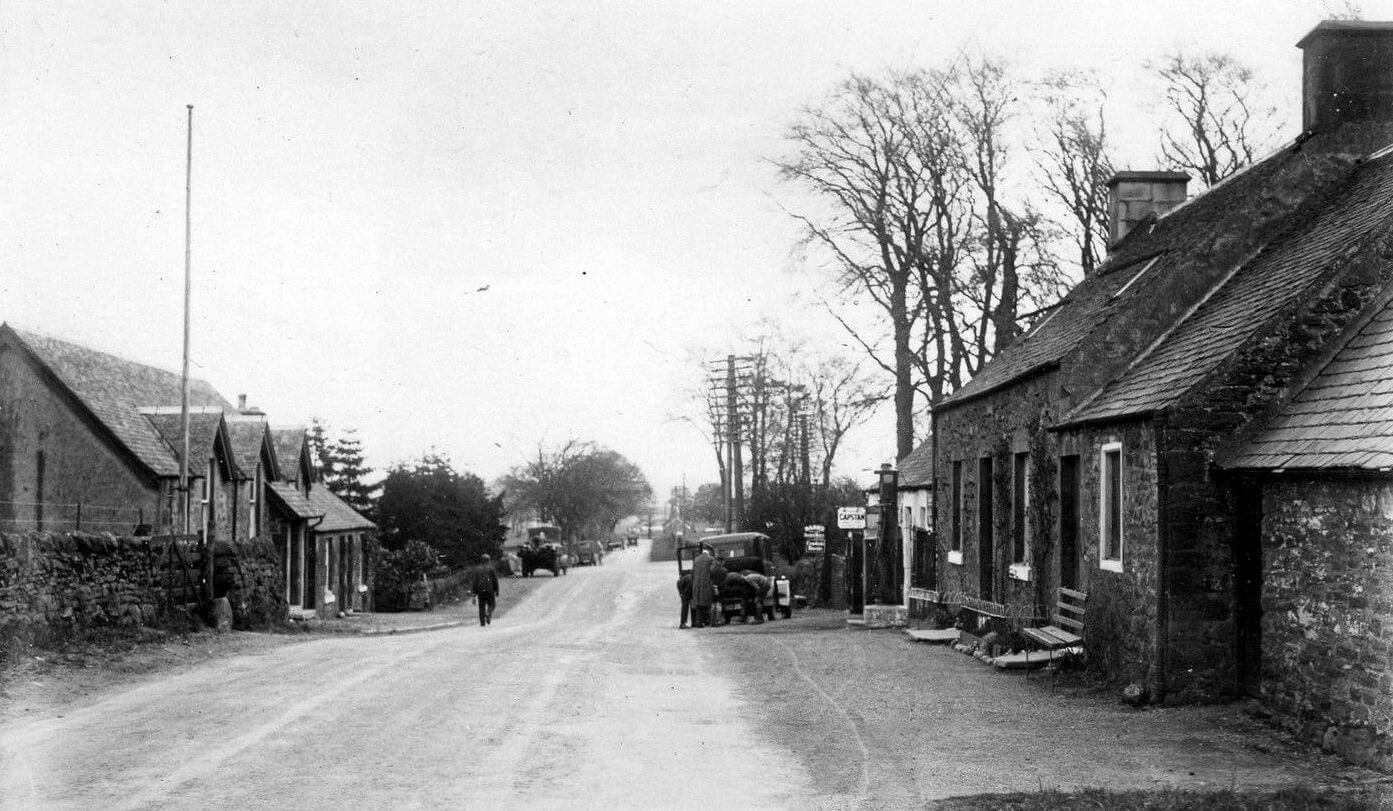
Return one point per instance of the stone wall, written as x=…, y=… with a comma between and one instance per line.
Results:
x=1327, y=628
x=52, y=586
x=1120, y=623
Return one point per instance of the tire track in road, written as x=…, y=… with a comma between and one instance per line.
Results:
x=863, y=794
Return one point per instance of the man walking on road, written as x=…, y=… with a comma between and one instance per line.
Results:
x=483, y=582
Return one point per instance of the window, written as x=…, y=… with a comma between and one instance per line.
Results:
x=1020, y=492
x=986, y=530
x=956, y=536
x=1110, y=507
x=255, y=498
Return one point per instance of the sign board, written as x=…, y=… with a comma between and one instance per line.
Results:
x=815, y=537
x=816, y=545
x=851, y=518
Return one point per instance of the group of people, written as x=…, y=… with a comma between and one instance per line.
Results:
x=709, y=582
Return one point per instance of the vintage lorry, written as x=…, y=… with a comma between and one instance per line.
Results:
x=737, y=552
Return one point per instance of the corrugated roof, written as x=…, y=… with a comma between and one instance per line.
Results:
x=917, y=469
x=338, y=516
x=114, y=389
x=1343, y=418
x=292, y=500
x=1262, y=288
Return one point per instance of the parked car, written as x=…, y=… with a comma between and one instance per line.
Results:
x=614, y=543
x=589, y=553
x=739, y=551
x=547, y=557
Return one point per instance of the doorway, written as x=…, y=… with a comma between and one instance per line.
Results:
x=986, y=542
x=1069, y=522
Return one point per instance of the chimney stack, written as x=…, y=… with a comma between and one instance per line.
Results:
x=241, y=402
x=1132, y=196
x=1347, y=73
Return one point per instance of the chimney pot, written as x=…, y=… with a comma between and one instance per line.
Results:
x=1132, y=196
x=1347, y=73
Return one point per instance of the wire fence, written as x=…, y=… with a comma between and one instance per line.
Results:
x=53, y=516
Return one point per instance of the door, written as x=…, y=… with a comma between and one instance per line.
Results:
x=855, y=573
x=1069, y=522
x=1247, y=586
x=986, y=541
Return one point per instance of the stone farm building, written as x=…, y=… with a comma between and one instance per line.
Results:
x=92, y=442
x=1200, y=434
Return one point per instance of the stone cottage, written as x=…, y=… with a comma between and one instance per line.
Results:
x=1162, y=440
x=91, y=441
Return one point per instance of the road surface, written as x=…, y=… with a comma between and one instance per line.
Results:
x=582, y=696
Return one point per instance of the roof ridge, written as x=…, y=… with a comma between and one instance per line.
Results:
x=1165, y=334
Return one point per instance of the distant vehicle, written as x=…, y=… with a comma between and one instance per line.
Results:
x=738, y=551
x=614, y=543
x=538, y=557
x=589, y=553
x=633, y=540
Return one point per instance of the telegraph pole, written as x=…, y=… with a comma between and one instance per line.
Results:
x=737, y=473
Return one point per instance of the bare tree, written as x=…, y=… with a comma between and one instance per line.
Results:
x=843, y=397
x=1221, y=122
x=1075, y=162
x=856, y=155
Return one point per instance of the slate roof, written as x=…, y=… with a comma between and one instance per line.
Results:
x=292, y=500
x=917, y=469
x=246, y=435
x=1259, y=290
x=114, y=389
x=203, y=433
x=1172, y=242
x=1343, y=418
x=338, y=516
x=287, y=443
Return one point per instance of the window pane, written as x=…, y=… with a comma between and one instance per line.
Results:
x=1112, y=504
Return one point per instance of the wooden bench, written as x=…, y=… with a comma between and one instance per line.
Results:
x=1067, y=630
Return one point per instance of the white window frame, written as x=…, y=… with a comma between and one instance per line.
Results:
x=1023, y=488
x=1104, y=507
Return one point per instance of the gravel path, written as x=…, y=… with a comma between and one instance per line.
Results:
x=900, y=723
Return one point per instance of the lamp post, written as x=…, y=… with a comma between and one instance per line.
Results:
x=888, y=563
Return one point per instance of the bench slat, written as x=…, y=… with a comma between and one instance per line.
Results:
x=1077, y=595
x=1072, y=609
x=1068, y=621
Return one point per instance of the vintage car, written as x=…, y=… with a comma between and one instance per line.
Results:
x=740, y=551
x=548, y=557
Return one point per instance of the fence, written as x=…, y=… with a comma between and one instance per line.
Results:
x=53, y=516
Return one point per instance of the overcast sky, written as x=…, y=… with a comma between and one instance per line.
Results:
x=481, y=226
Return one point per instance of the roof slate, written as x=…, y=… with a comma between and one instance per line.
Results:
x=287, y=443
x=1343, y=418
x=917, y=469
x=203, y=432
x=338, y=516
x=114, y=389
x=246, y=436
x=293, y=500
x=1257, y=206
x=1259, y=290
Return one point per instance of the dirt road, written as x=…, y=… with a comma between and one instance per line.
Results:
x=581, y=696
x=584, y=695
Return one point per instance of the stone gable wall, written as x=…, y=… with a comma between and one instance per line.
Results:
x=1327, y=627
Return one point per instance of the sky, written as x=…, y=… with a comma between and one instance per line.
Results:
x=477, y=227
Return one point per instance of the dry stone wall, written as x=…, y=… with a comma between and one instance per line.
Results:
x=56, y=585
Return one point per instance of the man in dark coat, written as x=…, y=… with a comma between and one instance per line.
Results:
x=483, y=584
x=684, y=591
x=703, y=591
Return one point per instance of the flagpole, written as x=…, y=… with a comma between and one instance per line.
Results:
x=184, y=380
